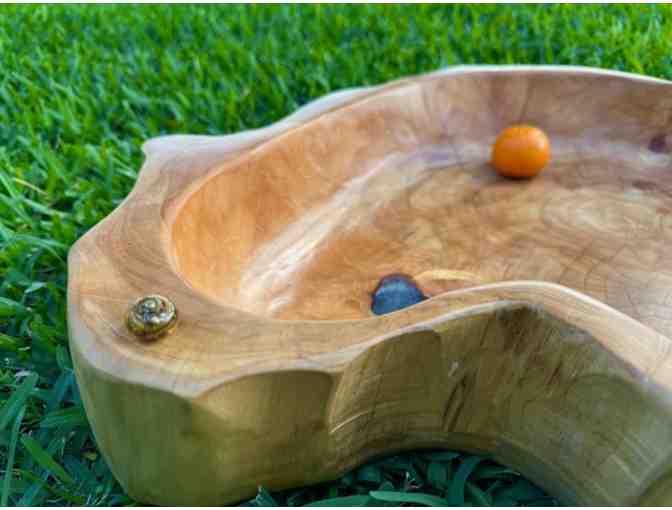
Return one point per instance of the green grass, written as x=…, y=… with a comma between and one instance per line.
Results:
x=82, y=87
x=421, y=478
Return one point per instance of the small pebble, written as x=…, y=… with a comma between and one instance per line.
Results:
x=395, y=292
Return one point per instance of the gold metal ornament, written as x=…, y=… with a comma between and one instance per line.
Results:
x=152, y=317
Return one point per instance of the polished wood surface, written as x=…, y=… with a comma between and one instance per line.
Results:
x=545, y=342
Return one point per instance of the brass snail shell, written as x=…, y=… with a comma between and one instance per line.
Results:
x=152, y=317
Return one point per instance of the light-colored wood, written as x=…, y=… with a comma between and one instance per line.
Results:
x=546, y=341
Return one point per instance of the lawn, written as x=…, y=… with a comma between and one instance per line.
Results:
x=82, y=87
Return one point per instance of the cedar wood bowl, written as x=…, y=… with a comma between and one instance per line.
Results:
x=545, y=341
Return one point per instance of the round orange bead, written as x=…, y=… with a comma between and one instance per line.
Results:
x=521, y=151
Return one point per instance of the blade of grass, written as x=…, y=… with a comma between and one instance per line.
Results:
x=73, y=416
x=357, y=500
x=369, y=474
x=437, y=474
x=479, y=497
x=493, y=472
x=457, y=486
x=76, y=500
x=10, y=308
x=17, y=400
x=522, y=490
x=418, y=498
x=7, y=482
x=42, y=457
x=58, y=391
x=264, y=498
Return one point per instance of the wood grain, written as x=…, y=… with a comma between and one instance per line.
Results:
x=546, y=341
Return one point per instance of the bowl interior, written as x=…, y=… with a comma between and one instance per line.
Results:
x=306, y=225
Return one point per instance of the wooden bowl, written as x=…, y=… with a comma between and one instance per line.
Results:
x=546, y=341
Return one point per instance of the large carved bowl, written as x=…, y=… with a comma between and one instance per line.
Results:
x=545, y=342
